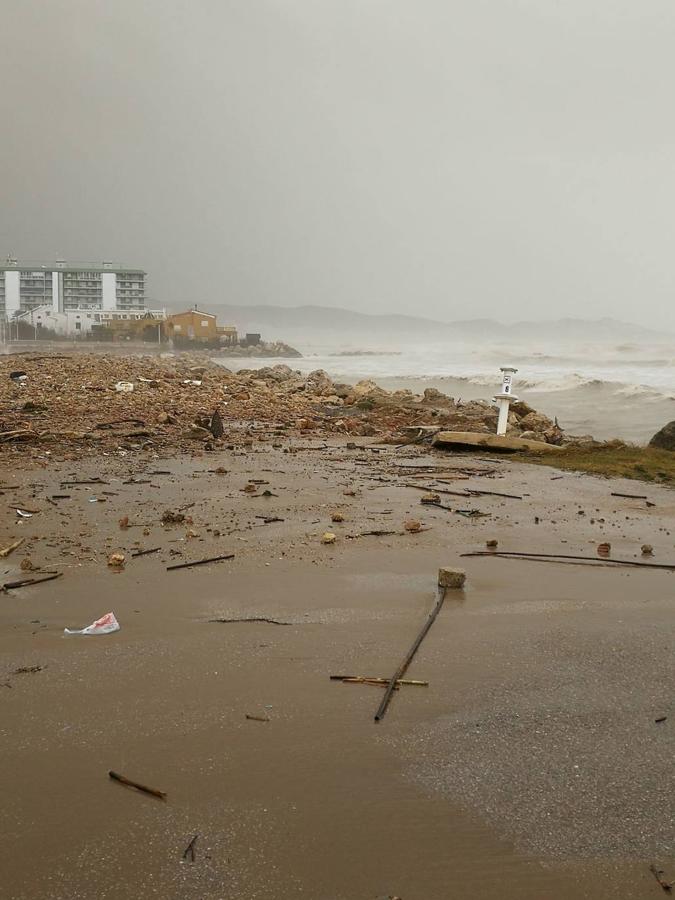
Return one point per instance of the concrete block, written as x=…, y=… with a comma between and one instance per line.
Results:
x=451, y=578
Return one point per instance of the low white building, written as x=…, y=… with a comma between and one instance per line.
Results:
x=78, y=322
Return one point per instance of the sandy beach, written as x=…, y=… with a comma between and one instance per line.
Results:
x=531, y=765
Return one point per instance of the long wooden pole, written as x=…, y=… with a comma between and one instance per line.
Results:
x=400, y=672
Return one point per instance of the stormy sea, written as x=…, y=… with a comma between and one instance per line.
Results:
x=622, y=389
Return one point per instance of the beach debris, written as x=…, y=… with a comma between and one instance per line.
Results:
x=451, y=578
x=145, y=552
x=328, y=537
x=189, y=852
x=172, y=518
x=430, y=498
x=660, y=876
x=554, y=557
x=375, y=532
x=492, y=544
x=27, y=670
x=479, y=493
x=251, y=619
x=268, y=494
x=124, y=522
x=200, y=562
x=399, y=673
x=413, y=526
x=269, y=520
x=24, y=514
x=249, y=488
x=604, y=548
x=19, y=378
x=124, y=387
x=337, y=517
x=27, y=582
x=647, y=550
x=84, y=481
x=221, y=470
x=116, y=560
x=216, y=427
x=471, y=513
x=629, y=496
x=121, y=779
x=368, y=679
x=26, y=564
x=11, y=547
x=107, y=624
x=660, y=719
x=257, y=718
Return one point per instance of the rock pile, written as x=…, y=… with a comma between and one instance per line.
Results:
x=276, y=349
x=176, y=401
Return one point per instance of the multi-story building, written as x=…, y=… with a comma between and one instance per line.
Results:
x=64, y=286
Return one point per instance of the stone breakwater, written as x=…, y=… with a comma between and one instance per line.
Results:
x=84, y=403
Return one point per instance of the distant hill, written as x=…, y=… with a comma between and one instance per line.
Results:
x=332, y=325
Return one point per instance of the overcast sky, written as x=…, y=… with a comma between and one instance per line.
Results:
x=504, y=158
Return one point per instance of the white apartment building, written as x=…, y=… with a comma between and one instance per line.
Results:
x=79, y=322
x=66, y=286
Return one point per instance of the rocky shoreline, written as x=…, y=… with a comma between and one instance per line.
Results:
x=84, y=402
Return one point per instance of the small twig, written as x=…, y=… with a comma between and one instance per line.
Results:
x=189, y=852
x=257, y=718
x=85, y=481
x=366, y=679
x=26, y=670
x=494, y=494
x=139, y=787
x=376, y=532
x=629, y=496
x=659, y=874
x=200, y=562
x=145, y=552
x=252, y=619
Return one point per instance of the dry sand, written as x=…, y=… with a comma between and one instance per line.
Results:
x=530, y=768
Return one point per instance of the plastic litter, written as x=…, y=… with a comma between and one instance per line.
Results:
x=124, y=387
x=105, y=625
x=24, y=514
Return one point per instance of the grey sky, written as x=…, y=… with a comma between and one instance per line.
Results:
x=505, y=158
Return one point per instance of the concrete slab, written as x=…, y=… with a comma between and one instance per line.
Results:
x=496, y=442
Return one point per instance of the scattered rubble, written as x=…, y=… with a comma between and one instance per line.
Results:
x=178, y=401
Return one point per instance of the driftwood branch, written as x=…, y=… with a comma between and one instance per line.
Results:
x=135, y=784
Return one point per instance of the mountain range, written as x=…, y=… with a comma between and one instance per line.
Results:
x=333, y=324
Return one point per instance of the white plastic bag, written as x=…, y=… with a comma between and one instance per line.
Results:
x=124, y=386
x=105, y=625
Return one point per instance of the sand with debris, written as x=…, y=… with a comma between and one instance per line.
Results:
x=531, y=766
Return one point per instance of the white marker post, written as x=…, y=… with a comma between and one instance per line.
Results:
x=502, y=400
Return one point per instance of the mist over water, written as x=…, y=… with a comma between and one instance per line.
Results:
x=624, y=390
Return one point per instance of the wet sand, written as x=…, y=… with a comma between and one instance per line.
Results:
x=531, y=767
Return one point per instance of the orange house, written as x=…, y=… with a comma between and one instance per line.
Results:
x=192, y=325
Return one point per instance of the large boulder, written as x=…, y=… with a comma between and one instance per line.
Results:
x=664, y=439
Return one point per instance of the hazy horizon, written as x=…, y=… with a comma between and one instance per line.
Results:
x=506, y=160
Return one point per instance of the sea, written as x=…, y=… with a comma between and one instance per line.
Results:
x=608, y=390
